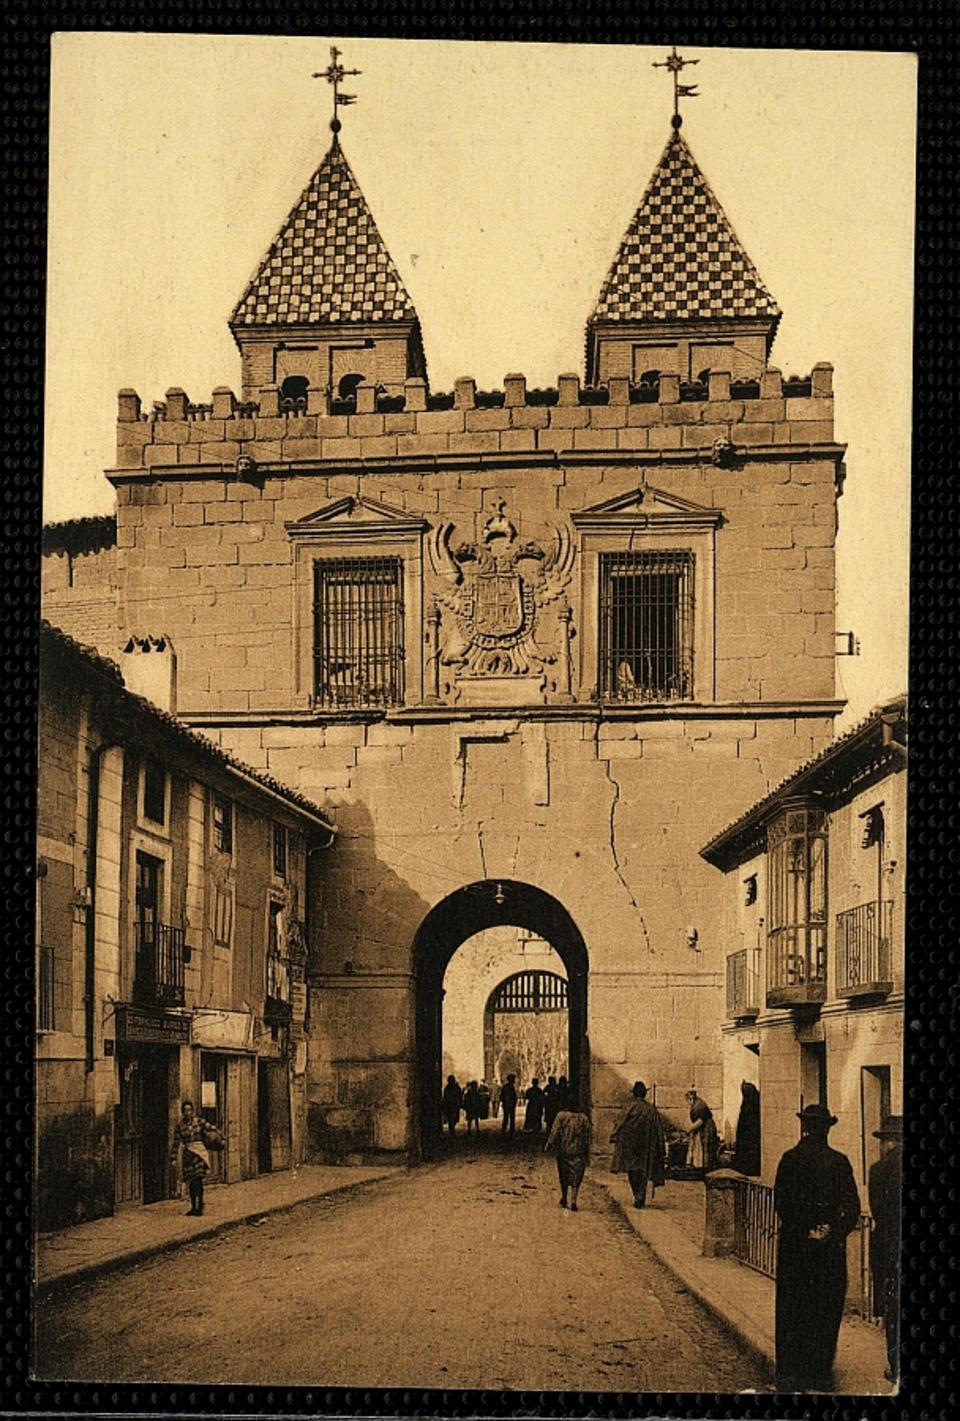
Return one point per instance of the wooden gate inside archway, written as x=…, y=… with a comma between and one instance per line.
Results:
x=525, y=1028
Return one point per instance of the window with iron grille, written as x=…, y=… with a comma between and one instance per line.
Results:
x=358, y=632
x=646, y=625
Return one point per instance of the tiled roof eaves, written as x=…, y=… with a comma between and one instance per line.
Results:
x=191, y=740
x=804, y=779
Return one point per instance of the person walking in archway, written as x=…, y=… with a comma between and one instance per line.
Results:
x=472, y=1106
x=533, y=1114
x=552, y=1102
x=452, y=1101
x=815, y=1196
x=508, y=1100
x=640, y=1146
x=569, y=1140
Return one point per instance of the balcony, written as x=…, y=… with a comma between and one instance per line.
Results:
x=743, y=984
x=158, y=975
x=863, y=946
x=797, y=966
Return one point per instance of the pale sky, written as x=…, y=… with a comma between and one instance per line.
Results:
x=502, y=177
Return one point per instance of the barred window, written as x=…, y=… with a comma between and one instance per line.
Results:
x=358, y=632
x=646, y=626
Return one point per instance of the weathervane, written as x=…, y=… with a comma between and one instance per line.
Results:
x=335, y=75
x=675, y=63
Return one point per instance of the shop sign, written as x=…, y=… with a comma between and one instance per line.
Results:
x=152, y=1024
x=223, y=1030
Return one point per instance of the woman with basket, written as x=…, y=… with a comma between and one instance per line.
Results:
x=195, y=1137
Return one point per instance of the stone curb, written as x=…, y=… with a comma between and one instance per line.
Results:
x=86, y=1272
x=751, y=1335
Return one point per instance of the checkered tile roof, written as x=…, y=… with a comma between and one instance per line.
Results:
x=680, y=258
x=329, y=262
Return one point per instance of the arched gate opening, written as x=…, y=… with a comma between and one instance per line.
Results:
x=537, y=1001
x=464, y=913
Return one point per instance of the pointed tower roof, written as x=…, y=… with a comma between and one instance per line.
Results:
x=328, y=265
x=680, y=259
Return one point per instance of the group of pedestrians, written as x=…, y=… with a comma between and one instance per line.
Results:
x=477, y=1101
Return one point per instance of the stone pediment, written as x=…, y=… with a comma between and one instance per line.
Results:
x=356, y=516
x=646, y=506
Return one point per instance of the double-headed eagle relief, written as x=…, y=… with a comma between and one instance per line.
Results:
x=493, y=591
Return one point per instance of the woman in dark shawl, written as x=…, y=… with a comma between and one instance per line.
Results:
x=746, y=1152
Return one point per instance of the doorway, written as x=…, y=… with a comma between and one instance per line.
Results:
x=213, y=1108
x=273, y=1116
x=464, y=914
x=142, y=1136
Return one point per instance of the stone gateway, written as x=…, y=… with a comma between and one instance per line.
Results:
x=530, y=648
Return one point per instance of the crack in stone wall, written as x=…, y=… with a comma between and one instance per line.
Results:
x=614, y=854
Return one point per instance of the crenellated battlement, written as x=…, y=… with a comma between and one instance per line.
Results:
x=408, y=419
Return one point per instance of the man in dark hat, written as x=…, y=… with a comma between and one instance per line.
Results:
x=884, y=1190
x=639, y=1147
x=815, y=1196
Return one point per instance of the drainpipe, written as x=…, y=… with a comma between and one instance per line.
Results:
x=90, y=942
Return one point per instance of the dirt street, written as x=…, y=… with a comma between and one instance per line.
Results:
x=460, y=1274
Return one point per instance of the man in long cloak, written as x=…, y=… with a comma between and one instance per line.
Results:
x=640, y=1146
x=815, y=1196
x=884, y=1189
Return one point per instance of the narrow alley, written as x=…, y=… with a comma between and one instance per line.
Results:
x=461, y=1274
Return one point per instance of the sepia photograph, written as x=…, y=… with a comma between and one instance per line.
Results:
x=472, y=736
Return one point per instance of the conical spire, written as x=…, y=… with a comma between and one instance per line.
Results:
x=328, y=265
x=680, y=259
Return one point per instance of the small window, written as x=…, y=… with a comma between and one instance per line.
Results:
x=222, y=824
x=278, y=976
x=646, y=626
x=154, y=793
x=750, y=890
x=358, y=632
x=223, y=915
x=280, y=850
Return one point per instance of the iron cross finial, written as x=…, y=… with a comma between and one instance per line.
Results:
x=335, y=75
x=676, y=64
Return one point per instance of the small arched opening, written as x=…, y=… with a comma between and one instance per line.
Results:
x=293, y=394
x=464, y=914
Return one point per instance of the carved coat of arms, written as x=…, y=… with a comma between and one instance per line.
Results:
x=492, y=591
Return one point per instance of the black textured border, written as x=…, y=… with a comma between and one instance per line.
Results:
x=931, y=1377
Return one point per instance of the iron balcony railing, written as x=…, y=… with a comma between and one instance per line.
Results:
x=863, y=945
x=756, y=1235
x=45, y=989
x=159, y=975
x=743, y=983
x=797, y=964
